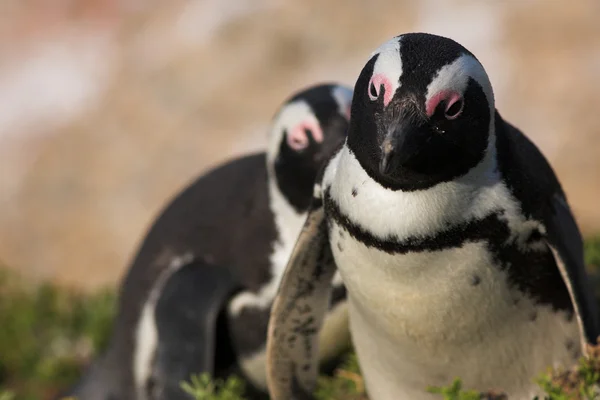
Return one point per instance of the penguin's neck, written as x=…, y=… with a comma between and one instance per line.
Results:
x=387, y=213
x=288, y=223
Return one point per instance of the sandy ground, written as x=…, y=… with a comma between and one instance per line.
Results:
x=108, y=107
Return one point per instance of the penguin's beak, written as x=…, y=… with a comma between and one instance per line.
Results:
x=404, y=139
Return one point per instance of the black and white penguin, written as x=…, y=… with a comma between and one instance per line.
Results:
x=452, y=235
x=198, y=294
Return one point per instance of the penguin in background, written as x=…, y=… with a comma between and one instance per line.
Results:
x=198, y=293
x=452, y=235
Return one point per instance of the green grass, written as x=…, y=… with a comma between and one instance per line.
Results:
x=202, y=387
x=592, y=252
x=455, y=392
x=48, y=334
x=346, y=383
x=577, y=383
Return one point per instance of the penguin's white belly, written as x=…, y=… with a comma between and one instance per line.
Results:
x=423, y=319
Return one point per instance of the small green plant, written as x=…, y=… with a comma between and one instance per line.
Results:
x=455, y=392
x=553, y=391
x=47, y=335
x=202, y=387
x=577, y=383
x=592, y=253
x=345, y=384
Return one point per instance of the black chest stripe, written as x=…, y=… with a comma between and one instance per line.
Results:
x=534, y=273
x=454, y=236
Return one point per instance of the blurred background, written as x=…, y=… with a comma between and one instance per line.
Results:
x=109, y=107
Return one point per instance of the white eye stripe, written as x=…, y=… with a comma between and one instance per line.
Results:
x=293, y=120
x=387, y=68
x=455, y=77
x=392, y=45
x=380, y=83
x=298, y=138
x=299, y=113
x=289, y=117
x=452, y=77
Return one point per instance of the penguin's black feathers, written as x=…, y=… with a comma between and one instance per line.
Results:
x=531, y=179
x=198, y=292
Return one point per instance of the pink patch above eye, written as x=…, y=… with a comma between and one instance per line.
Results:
x=449, y=96
x=376, y=82
x=298, y=139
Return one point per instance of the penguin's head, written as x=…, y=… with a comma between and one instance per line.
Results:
x=422, y=113
x=304, y=134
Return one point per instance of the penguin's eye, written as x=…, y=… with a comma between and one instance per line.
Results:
x=377, y=84
x=450, y=101
x=373, y=91
x=299, y=137
x=454, y=108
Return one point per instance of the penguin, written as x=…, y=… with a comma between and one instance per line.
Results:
x=451, y=233
x=197, y=296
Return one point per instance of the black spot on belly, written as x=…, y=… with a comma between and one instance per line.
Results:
x=354, y=192
x=570, y=344
x=339, y=246
x=306, y=367
x=533, y=316
x=475, y=280
x=569, y=316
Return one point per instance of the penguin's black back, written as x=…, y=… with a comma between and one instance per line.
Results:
x=223, y=219
x=527, y=173
x=532, y=181
x=216, y=218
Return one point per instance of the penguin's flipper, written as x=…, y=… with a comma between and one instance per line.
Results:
x=564, y=239
x=186, y=317
x=530, y=175
x=298, y=312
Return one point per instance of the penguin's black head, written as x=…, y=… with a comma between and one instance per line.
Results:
x=306, y=131
x=422, y=112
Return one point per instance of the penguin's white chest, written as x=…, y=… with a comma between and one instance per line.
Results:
x=424, y=318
